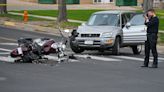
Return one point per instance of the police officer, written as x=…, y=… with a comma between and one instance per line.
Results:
x=152, y=23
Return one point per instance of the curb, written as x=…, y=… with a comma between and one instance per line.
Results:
x=160, y=31
x=8, y=23
x=33, y=28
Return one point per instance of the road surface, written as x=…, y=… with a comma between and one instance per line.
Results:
x=103, y=72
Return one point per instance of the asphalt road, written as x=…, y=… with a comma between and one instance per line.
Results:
x=103, y=72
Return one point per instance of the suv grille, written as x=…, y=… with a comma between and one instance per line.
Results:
x=90, y=35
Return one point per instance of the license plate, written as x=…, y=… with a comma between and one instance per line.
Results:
x=88, y=42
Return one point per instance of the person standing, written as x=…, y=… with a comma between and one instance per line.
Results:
x=152, y=23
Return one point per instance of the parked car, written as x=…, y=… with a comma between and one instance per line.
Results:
x=110, y=30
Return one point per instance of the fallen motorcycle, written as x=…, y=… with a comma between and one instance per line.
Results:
x=34, y=50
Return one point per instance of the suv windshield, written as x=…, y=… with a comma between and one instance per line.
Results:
x=104, y=20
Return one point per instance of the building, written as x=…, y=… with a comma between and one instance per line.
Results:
x=88, y=1
x=96, y=1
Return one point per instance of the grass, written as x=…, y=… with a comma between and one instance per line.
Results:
x=161, y=39
x=160, y=14
x=82, y=15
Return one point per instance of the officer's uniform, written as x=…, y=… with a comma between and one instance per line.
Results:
x=150, y=44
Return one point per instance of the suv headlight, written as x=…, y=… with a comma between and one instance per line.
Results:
x=107, y=35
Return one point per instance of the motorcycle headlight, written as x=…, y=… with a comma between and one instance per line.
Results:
x=55, y=45
x=63, y=46
x=106, y=35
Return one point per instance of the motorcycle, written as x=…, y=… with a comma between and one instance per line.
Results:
x=34, y=50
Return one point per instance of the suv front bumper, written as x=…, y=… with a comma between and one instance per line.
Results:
x=98, y=43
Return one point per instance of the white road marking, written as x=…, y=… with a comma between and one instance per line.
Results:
x=7, y=59
x=9, y=39
x=135, y=58
x=8, y=50
x=11, y=44
x=3, y=78
x=4, y=53
x=98, y=58
x=159, y=58
x=56, y=58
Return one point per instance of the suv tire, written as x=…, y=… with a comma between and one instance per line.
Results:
x=137, y=50
x=74, y=48
x=116, y=47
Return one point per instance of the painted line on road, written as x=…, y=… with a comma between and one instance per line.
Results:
x=98, y=58
x=7, y=59
x=3, y=78
x=4, y=53
x=56, y=58
x=9, y=39
x=8, y=50
x=159, y=58
x=11, y=44
x=135, y=58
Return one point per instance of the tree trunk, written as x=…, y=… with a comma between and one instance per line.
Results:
x=148, y=4
x=161, y=5
x=3, y=6
x=62, y=16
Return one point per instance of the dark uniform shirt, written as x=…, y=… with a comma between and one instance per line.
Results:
x=152, y=25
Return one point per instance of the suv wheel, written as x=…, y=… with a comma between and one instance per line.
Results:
x=77, y=49
x=74, y=48
x=137, y=49
x=116, y=47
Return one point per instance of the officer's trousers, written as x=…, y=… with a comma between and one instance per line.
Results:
x=151, y=44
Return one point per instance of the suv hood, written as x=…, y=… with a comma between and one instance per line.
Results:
x=96, y=29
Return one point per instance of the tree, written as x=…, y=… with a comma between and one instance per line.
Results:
x=62, y=16
x=3, y=6
x=148, y=4
x=161, y=4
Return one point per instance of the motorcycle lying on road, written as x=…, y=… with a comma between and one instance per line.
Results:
x=34, y=50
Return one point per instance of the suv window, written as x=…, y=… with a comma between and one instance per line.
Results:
x=129, y=16
x=137, y=20
x=124, y=20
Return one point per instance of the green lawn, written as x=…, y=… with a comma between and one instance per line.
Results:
x=160, y=14
x=161, y=36
x=82, y=15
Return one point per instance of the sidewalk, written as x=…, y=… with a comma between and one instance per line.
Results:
x=21, y=5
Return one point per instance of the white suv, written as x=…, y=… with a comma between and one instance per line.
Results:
x=110, y=30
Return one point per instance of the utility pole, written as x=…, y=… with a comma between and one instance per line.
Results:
x=3, y=6
x=62, y=15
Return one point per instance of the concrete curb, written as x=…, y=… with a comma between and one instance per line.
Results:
x=29, y=27
x=160, y=31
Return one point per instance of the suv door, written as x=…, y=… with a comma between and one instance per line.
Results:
x=135, y=31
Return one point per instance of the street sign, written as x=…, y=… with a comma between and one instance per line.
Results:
x=126, y=2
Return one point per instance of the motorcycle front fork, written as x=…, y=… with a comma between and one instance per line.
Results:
x=61, y=57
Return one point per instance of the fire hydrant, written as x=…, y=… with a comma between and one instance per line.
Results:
x=25, y=16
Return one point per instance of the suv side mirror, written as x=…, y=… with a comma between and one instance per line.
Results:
x=128, y=25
